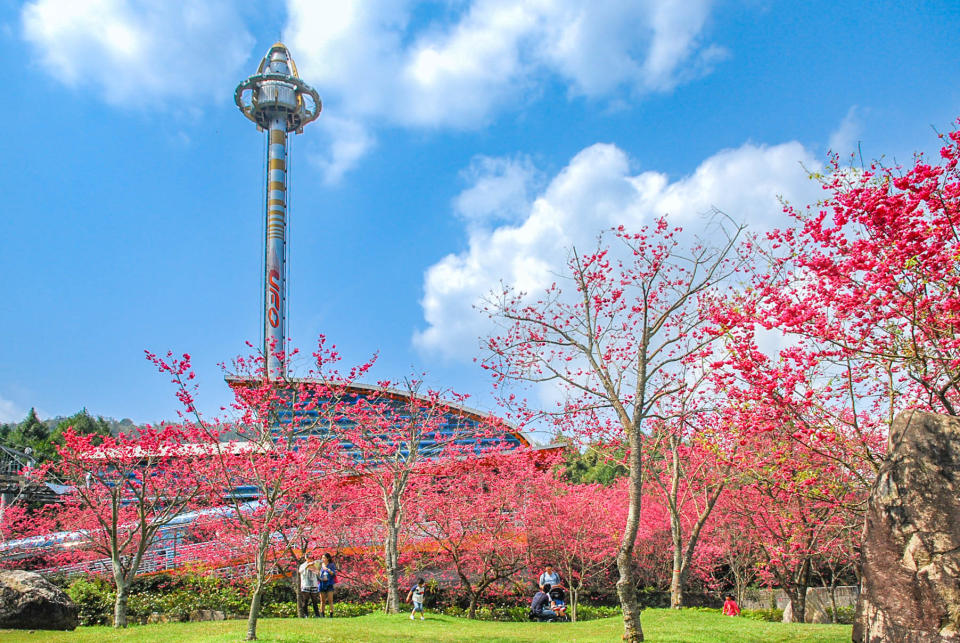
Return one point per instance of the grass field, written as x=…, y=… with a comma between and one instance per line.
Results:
x=686, y=626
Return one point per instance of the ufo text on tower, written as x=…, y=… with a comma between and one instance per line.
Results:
x=279, y=103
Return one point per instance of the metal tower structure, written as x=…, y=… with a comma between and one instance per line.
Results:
x=279, y=103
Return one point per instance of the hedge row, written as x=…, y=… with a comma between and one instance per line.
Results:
x=176, y=597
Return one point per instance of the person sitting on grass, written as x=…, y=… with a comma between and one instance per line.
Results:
x=541, y=600
x=416, y=593
x=730, y=607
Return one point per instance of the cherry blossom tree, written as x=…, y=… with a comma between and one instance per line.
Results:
x=395, y=433
x=794, y=497
x=872, y=270
x=282, y=441
x=611, y=335
x=574, y=528
x=26, y=537
x=125, y=489
x=474, y=513
x=691, y=483
x=689, y=462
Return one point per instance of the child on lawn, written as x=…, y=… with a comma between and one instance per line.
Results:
x=416, y=593
x=730, y=607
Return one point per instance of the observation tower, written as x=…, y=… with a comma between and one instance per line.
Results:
x=279, y=103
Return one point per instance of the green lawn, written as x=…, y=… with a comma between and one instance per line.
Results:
x=687, y=626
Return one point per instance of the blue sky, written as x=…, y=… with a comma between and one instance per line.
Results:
x=461, y=143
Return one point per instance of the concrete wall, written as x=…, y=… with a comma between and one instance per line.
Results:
x=818, y=601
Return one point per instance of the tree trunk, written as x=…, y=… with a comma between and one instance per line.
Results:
x=798, y=603
x=677, y=578
x=676, y=588
x=739, y=583
x=474, y=599
x=254, y=613
x=120, y=605
x=391, y=563
x=626, y=587
x=803, y=582
x=676, y=529
x=574, y=601
x=301, y=599
x=257, y=598
x=833, y=598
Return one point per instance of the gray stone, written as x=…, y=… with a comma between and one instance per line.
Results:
x=911, y=546
x=764, y=598
x=207, y=615
x=817, y=606
x=157, y=617
x=29, y=602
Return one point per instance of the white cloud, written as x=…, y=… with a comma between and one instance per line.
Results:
x=597, y=191
x=346, y=143
x=500, y=189
x=136, y=52
x=385, y=61
x=845, y=138
x=10, y=411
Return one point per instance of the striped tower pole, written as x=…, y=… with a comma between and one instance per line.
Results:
x=275, y=244
x=279, y=102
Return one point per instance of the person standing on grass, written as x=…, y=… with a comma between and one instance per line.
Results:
x=730, y=607
x=548, y=577
x=416, y=593
x=309, y=587
x=327, y=577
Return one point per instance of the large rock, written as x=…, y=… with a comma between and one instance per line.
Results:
x=30, y=602
x=911, y=547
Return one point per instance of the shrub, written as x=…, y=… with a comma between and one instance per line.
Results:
x=177, y=596
x=771, y=614
x=844, y=615
x=94, y=598
x=518, y=613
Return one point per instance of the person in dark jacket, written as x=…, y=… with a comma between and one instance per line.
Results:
x=540, y=606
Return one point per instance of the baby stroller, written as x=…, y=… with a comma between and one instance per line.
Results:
x=558, y=595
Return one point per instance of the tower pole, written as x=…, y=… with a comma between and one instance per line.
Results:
x=278, y=102
x=274, y=278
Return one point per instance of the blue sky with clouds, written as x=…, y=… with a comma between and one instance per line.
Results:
x=461, y=143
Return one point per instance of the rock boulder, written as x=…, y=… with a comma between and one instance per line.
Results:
x=911, y=546
x=30, y=602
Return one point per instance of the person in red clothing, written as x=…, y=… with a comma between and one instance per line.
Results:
x=730, y=607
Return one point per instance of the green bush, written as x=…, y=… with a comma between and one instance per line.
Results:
x=177, y=596
x=347, y=610
x=94, y=598
x=521, y=613
x=844, y=615
x=771, y=614
x=288, y=609
x=173, y=596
